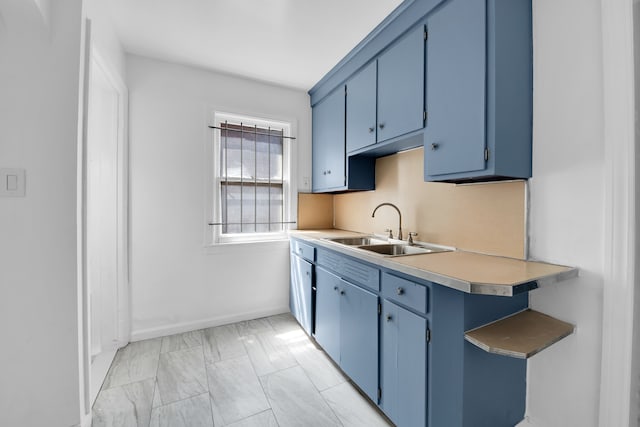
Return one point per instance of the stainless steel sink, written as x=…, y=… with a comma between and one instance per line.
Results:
x=384, y=248
x=401, y=249
x=358, y=241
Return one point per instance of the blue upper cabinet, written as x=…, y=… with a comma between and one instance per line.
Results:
x=455, y=139
x=465, y=93
x=361, y=109
x=328, y=143
x=401, y=86
x=332, y=170
x=385, y=100
x=478, y=91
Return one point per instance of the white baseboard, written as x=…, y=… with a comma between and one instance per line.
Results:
x=178, y=328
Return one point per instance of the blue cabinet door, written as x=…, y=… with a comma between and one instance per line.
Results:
x=327, y=325
x=359, y=337
x=403, y=366
x=455, y=94
x=361, y=109
x=300, y=291
x=328, y=142
x=401, y=86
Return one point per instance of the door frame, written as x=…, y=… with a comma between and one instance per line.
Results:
x=620, y=179
x=114, y=79
x=123, y=306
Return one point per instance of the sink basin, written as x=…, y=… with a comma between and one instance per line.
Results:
x=357, y=241
x=383, y=247
x=400, y=249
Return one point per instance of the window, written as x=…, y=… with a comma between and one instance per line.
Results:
x=251, y=189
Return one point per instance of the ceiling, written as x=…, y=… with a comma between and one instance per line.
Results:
x=287, y=42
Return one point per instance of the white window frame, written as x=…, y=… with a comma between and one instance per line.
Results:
x=213, y=234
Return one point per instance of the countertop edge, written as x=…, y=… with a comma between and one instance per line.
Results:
x=450, y=282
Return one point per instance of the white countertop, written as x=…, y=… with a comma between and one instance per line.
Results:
x=466, y=271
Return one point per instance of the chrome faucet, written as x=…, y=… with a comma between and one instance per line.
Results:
x=399, y=217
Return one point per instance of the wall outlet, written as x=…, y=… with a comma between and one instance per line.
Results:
x=12, y=182
x=306, y=182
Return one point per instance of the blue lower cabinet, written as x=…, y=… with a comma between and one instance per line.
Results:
x=300, y=292
x=468, y=386
x=327, y=325
x=403, y=366
x=401, y=340
x=347, y=328
x=359, y=337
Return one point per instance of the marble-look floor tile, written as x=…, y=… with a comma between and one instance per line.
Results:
x=192, y=412
x=181, y=374
x=235, y=390
x=135, y=362
x=353, y=409
x=268, y=353
x=125, y=406
x=253, y=327
x=284, y=322
x=263, y=419
x=317, y=365
x=156, y=396
x=181, y=341
x=221, y=343
x=295, y=401
x=215, y=411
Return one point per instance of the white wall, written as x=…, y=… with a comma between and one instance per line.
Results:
x=103, y=36
x=40, y=80
x=176, y=283
x=566, y=210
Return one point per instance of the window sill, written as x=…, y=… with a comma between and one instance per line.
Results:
x=247, y=246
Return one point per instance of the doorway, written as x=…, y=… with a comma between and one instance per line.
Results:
x=106, y=255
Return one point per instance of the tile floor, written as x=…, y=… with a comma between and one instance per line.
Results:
x=263, y=372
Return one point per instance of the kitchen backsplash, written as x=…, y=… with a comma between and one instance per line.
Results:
x=489, y=218
x=315, y=211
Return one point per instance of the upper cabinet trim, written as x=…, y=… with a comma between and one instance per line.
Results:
x=402, y=19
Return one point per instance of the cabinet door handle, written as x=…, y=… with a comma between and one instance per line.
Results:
x=307, y=273
x=328, y=172
x=335, y=288
x=372, y=129
x=434, y=146
x=341, y=292
x=388, y=317
x=399, y=291
x=381, y=125
x=324, y=172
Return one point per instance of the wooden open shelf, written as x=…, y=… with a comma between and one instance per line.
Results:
x=521, y=335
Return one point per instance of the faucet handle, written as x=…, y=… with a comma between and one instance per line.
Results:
x=388, y=230
x=412, y=234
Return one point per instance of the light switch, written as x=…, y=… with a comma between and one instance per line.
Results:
x=12, y=182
